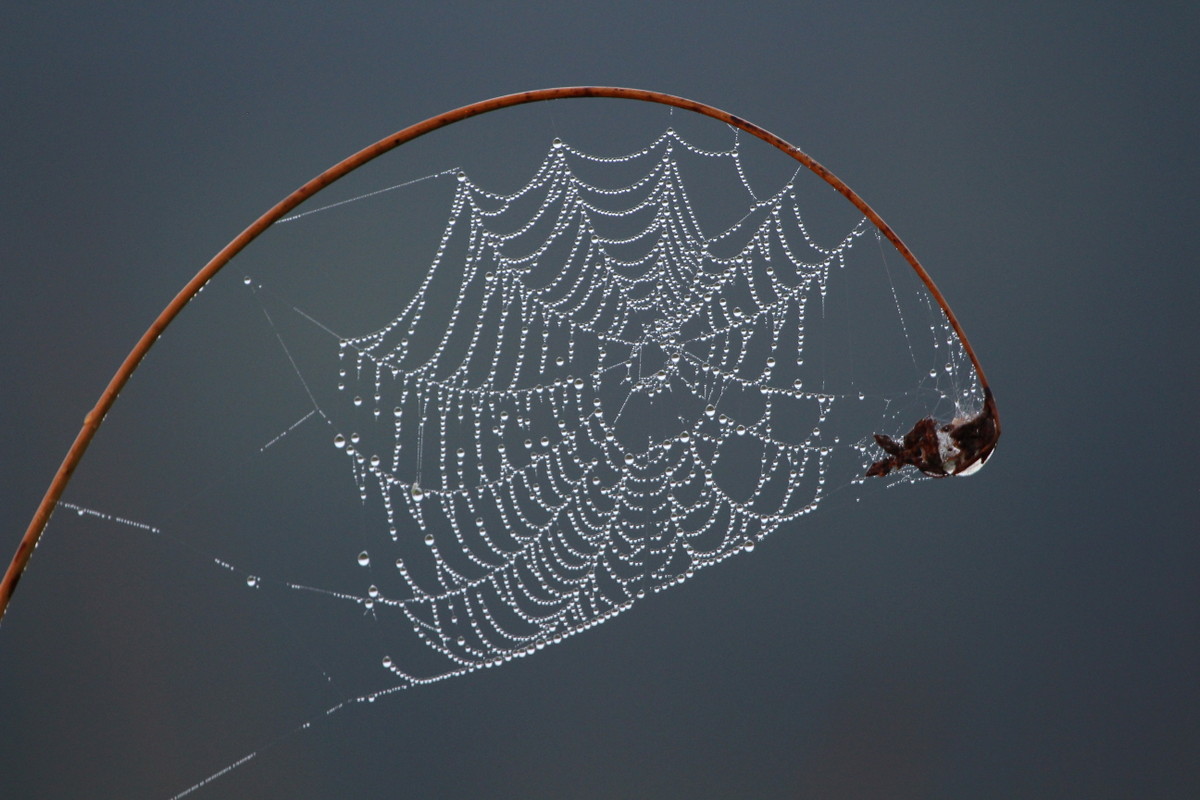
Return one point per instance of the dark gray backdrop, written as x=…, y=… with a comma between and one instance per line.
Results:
x=1032, y=632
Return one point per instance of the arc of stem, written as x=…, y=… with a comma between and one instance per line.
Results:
x=95, y=417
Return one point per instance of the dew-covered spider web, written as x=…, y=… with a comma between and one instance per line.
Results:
x=482, y=412
x=559, y=423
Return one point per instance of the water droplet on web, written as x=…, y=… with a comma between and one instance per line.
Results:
x=387, y=662
x=339, y=441
x=364, y=559
x=252, y=581
x=429, y=539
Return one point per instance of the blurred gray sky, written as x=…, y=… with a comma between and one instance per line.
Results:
x=1031, y=632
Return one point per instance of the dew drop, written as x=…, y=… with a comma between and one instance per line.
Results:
x=387, y=662
x=339, y=441
x=416, y=491
x=429, y=539
x=364, y=558
x=710, y=410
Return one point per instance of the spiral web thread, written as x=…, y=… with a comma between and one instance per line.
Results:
x=559, y=420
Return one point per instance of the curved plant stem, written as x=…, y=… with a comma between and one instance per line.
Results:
x=95, y=417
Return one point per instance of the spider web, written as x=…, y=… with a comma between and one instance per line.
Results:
x=558, y=423
x=625, y=370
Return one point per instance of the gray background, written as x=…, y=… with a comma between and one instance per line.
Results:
x=1031, y=632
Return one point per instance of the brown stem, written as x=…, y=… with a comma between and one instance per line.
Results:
x=92, y=421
